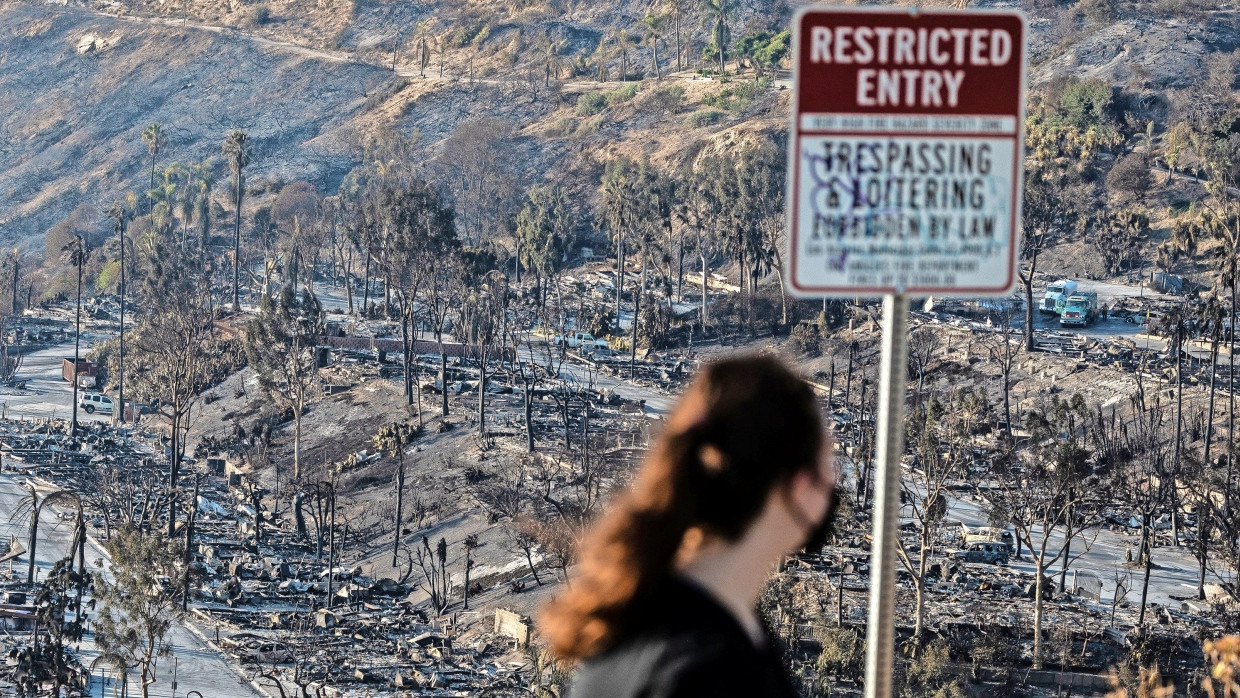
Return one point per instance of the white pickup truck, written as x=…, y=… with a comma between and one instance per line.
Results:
x=580, y=340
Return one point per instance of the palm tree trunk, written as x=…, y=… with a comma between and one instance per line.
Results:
x=619, y=279
x=13, y=298
x=637, y=307
x=237, y=244
x=77, y=343
x=1027, y=280
x=443, y=372
x=1203, y=539
x=1145, y=582
x=34, y=535
x=1205, y=458
x=783, y=292
x=406, y=319
x=679, y=67
x=528, y=402
x=1067, y=552
x=348, y=279
x=150, y=202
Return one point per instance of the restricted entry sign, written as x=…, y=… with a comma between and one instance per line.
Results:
x=906, y=153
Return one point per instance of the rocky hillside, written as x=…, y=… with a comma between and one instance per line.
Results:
x=308, y=81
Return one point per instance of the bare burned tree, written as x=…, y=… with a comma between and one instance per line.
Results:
x=174, y=354
x=923, y=344
x=1043, y=491
x=523, y=534
x=1142, y=481
x=280, y=344
x=530, y=375
x=1002, y=348
x=435, y=577
x=484, y=314
x=503, y=493
x=940, y=452
x=478, y=164
x=470, y=544
x=393, y=439
x=1045, y=215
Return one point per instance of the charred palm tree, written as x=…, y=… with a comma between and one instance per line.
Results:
x=155, y=140
x=76, y=253
x=237, y=152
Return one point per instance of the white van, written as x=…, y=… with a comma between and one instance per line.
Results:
x=96, y=402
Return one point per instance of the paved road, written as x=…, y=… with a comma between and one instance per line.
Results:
x=47, y=394
x=198, y=666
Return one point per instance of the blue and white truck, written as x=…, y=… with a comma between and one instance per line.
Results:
x=1057, y=293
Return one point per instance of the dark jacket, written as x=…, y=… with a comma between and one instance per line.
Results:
x=687, y=645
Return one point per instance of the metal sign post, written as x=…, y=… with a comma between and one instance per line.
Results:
x=905, y=164
x=889, y=445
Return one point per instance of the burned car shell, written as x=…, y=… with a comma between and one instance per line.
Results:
x=990, y=553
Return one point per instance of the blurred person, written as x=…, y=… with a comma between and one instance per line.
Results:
x=663, y=602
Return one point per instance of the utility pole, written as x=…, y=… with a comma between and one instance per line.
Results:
x=79, y=258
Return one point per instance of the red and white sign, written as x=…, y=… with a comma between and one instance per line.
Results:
x=906, y=153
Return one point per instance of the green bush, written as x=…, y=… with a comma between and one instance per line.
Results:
x=1087, y=103
x=591, y=103
x=739, y=96
x=622, y=94
x=703, y=117
x=470, y=33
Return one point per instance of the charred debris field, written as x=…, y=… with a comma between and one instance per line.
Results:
x=327, y=331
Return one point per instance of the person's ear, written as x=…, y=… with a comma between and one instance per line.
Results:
x=807, y=494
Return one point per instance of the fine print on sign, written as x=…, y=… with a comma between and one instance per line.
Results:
x=907, y=149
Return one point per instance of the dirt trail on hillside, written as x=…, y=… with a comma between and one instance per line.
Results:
x=403, y=70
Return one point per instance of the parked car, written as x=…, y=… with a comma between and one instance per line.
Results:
x=96, y=402
x=990, y=553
